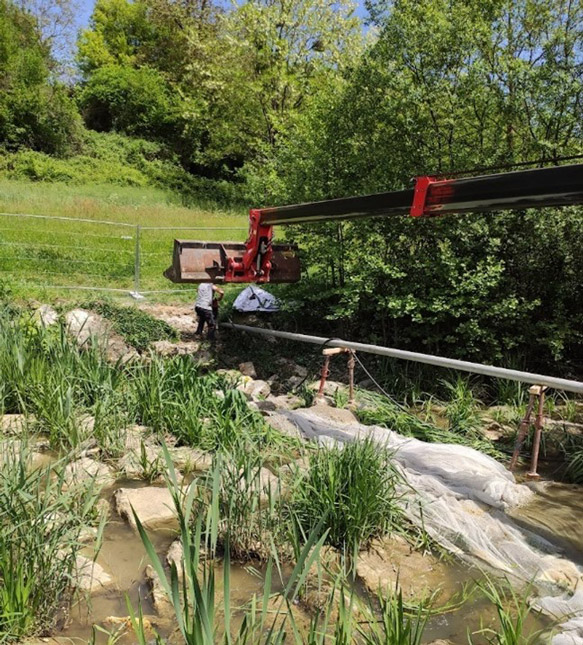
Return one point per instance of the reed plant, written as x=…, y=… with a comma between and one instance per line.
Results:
x=40, y=525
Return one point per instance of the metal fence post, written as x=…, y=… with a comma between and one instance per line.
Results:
x=137, y=261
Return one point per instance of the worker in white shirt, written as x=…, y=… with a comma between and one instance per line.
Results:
x=204, y=308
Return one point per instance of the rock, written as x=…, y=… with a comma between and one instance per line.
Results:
x=14, y=424
x=294, y=382
x=391, y=559
x=269, y=485
x=265, y=405
x=190, y=459
x=328, y=413
x=86, y=469
x=86, y=327
x=286, y=402
x=284, y=425
x=493, y=432
x=330, y=387
x=175, y=555
x=154, y=506
x=134, y=437
x=144, y=462
x=255, y=389
x=90, y=576
x=288, y=368
x=46, y=316
x=160, y=601
x=248, y=369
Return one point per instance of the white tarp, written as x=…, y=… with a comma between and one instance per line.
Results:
x=460, y=496
x=253, y=299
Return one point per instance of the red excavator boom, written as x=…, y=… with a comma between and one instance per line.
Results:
x=259, y=260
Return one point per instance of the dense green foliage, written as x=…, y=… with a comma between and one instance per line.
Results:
x=287, y=101
x=35, y=110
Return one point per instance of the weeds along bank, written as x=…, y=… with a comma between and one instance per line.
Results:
x=169, y=444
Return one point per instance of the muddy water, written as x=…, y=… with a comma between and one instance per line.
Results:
x=123, y=556
x=556, y=513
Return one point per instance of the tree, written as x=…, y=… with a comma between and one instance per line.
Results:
x=450, y=85
x=35, y=110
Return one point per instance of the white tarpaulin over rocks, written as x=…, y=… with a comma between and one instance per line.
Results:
x=253, y=299
x=461, y=496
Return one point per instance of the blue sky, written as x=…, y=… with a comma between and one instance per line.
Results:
x=86, y=7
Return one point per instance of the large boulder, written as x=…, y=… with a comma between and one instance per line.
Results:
x=87, y=327
x=154, y=506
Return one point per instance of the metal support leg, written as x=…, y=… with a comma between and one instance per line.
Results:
x=522, y=431
x=351, y=363
x=325, y=373
x=538, y=427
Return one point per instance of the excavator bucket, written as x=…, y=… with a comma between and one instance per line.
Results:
x=194, y=262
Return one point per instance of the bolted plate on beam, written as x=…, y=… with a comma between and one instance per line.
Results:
x=195, y=261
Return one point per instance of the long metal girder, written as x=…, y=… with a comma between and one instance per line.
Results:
x=554, y=186
x=259, y=260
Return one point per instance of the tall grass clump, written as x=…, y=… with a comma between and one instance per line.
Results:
x=376, y=409
x=40, y=524
x=192, y=589
x=512, y=611
x=461, y=409
x=352, y=488
x=46, y=376
x=173, y=395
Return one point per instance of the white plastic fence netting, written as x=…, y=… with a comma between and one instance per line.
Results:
x=461, y=497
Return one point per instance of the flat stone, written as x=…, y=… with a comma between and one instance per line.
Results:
x=255, y=389
x=167, y=348
x=330, y=387
x=86, y=469
x=154, y=506
x=90, y=576
x=86, y=327
x=282, y=424
x=248, y=369
x=14, y=424
x=190, y=459
x=391, y=560
x=265, y=405
x=286, y=401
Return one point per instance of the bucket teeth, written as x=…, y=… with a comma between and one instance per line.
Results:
x=194, y=261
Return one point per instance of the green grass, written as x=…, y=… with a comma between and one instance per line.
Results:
x=40, y=524
x=39, y=254
x=137, y=327
x=352, y=489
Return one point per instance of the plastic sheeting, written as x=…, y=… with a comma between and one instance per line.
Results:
x=461, y=496
x=254, y=299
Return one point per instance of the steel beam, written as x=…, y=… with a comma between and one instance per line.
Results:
x=428, y=359
x=554, y=186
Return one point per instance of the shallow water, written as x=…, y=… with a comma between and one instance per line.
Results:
x=555, y=513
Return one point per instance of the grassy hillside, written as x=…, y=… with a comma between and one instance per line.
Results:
x=45, y=258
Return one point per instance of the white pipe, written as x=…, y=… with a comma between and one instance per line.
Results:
x=439, y=361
